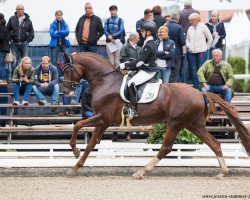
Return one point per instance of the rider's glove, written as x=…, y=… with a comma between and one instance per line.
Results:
x=122, y=66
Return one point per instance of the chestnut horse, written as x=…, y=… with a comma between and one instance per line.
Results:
x=178, y=105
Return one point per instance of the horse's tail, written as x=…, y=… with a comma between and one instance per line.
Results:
x=233, y=117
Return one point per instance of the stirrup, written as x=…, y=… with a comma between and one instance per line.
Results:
x=132, y=112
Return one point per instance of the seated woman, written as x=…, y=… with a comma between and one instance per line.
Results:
x=87, y=111
x=23, y=79
x=145, y=64
x=165, y=54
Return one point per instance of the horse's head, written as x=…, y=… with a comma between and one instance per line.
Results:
x=71, y=76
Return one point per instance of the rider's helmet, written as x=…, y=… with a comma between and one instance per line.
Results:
x=149, y=26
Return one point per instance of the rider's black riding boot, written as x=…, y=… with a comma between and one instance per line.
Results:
x=133, y=100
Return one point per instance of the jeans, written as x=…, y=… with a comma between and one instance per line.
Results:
x=22, y=89
x=77, y=95
x=2, y=66
x=164, y=74
x=227, y=94
x=54, y=90
x=175, y=71
x=195, y=60
x=54, y=57
x=87, y=48
x=88, y=114
x=19, y=51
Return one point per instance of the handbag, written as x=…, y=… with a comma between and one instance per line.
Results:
x=8, y=58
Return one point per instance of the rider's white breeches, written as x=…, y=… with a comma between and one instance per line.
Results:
x=141, y=77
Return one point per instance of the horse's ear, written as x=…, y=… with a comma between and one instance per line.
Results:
x=66, y=58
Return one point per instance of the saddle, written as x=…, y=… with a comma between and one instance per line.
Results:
x=146, y=92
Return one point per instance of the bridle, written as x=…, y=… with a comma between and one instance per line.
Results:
x=72, y=84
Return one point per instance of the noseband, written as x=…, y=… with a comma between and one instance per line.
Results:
x=70, y=84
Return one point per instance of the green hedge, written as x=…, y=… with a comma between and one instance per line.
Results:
x=183, y=137
x=238, y=65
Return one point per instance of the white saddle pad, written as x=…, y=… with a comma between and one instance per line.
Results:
x=149, y=94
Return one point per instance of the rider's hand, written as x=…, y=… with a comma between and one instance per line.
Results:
x=122, y=66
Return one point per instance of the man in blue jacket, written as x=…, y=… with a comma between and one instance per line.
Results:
x=114, y=30
x=46, y=82
x=176, y=34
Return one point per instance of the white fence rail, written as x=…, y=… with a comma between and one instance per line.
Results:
x=117, y=154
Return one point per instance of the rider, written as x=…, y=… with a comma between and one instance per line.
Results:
x=145, y=64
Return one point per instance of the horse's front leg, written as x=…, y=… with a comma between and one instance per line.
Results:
x=97, y=134
x=93, y=121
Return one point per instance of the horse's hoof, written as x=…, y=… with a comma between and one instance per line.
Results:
x=71, y=173
x=77, y=152
x=138, y=175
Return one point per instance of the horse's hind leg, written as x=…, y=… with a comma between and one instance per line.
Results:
x=214, y=144
x=168, y=141
x=97, y=134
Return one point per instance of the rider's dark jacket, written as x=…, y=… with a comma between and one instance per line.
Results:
x=147, y=57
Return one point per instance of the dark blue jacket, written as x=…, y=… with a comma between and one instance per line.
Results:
x=168, y=45
x=176, y=33
x=62, y=33
x=220, y=30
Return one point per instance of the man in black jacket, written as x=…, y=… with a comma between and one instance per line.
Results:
x=21, y=34
x=89, y=30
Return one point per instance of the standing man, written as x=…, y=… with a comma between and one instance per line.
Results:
x=184, y=14
x=130, y=50
x=114, y=30
x=21, y=34
x=176, y=34
x=89, y=30
x=216, y=75
x=148, y=17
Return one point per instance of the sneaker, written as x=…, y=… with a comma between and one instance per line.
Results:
x=3, y=82
x=15, y=103
x=73, y=102
x=25, y=103
x=41, y=102
x=66, y=112
x=54, y=109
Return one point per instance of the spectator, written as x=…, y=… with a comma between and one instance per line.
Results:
x=217, y=30
x=87, y=111
x=75, y=99
x=184, y=15
x=4, y=48
x=46, y=82
x=145, y=65
x=59, y=30
x=176, y=34
x=165, y=54
x=89, y=30
x=148, y=17
x=158, y=18
x=167, y=19
x=114, y=30
x=23, y=79
x=216, y=75
x=198, y=41
x=130, y=50
x=21, y=34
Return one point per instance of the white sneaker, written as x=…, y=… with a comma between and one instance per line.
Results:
x=73, y=102
x=15, y=103
x=25, y=103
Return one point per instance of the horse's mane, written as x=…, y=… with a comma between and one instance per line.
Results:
x=98, y=57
